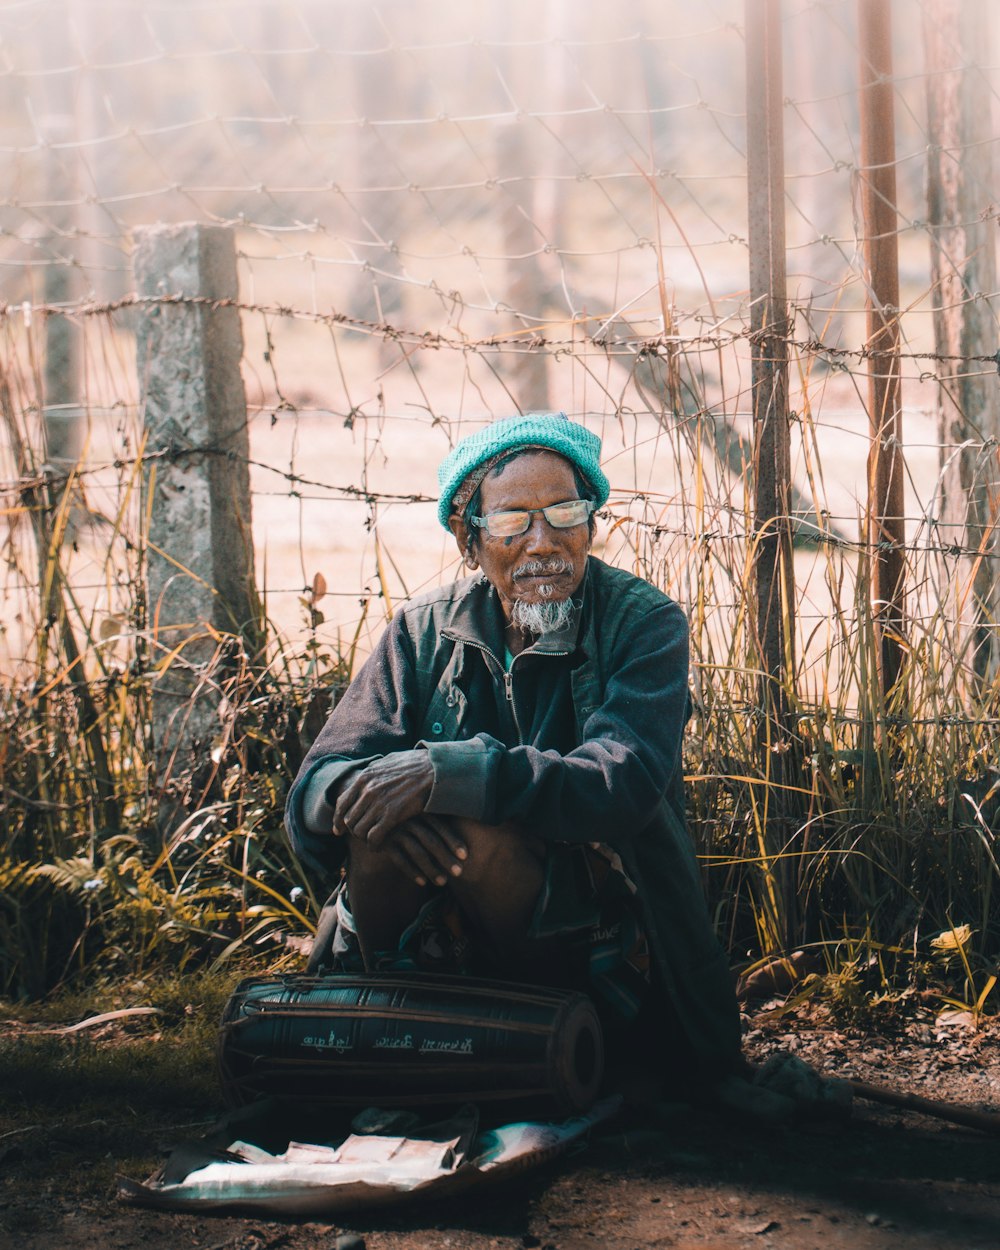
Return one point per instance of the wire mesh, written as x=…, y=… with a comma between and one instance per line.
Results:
x=445, y=215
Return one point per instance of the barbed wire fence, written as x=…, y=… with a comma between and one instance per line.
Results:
x=442, y=216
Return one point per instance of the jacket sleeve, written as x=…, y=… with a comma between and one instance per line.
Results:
x=629, y=758
x=374, y=716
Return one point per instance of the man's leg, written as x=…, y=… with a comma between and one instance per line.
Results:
x=499, y=885
x=383, y=900
x=497, y=890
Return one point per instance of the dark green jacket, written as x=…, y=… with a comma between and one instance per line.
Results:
x=436, y=679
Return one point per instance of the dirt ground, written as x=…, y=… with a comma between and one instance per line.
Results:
x=664, y=1174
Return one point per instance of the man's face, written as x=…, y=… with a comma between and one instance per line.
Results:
x=544, y=563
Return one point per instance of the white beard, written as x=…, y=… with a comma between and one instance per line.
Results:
x=541, y=618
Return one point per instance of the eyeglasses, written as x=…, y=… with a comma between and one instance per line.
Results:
x=561, y=516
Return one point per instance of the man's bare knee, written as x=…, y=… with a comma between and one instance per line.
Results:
x=366, y=864
x=493, y=850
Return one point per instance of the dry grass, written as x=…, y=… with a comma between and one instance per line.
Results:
x=870, y=828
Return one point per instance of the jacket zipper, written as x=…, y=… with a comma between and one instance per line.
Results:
x=508, y=685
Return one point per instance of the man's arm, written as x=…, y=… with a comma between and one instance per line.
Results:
x=373, y=719
x=361, y=779
x=383, y=807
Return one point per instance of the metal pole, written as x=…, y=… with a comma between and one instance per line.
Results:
x=769, y=326
x=886, y=528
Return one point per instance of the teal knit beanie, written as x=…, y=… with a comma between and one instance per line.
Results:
x=552, y=430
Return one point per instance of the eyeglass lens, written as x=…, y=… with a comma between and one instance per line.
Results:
x=559, y=516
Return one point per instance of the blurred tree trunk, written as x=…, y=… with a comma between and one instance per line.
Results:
x=823, y=203
x=374, y=217
x=526, y=369
x=961, y=197
x=61, y=285
x=523, y=200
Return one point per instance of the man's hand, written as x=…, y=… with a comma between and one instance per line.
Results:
x=383, y=806
x=426, y=849
x=383, y=796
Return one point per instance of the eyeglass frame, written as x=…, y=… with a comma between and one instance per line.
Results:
x=483, y=522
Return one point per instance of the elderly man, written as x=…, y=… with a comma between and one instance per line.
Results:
x=502, y=780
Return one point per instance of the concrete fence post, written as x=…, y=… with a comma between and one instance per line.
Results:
x=200, y=570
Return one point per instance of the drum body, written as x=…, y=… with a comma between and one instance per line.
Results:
x=392, y=1039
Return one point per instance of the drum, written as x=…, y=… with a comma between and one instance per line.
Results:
x=395, y=1040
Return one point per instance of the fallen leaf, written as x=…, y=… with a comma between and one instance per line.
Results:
x=92, y=1021
x=777, y=976
x=959, y=1019
x=111, y=627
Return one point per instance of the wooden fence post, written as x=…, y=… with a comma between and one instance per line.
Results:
x=886, y=523
x=775, y=581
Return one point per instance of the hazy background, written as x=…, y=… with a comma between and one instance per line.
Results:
x=455, y=181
